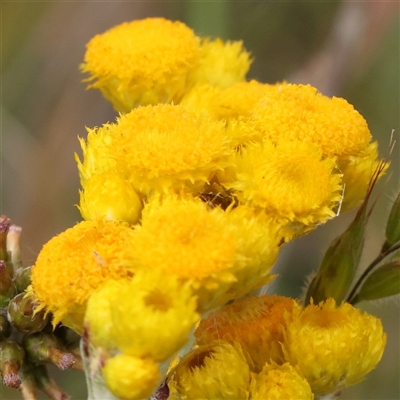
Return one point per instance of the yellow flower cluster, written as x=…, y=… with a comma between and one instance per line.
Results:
x=187, y=199
x=290, y=351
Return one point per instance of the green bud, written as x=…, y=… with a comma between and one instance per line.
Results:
x=383, y=282
x=13, y=246
x=5, y=223
x=11, y=359
x=47, y=385
x=5, y=327
x=393, y=225
x=340, y=263
x=21, y=313
x=23, y=278
x=44, y=347
x=7, y=287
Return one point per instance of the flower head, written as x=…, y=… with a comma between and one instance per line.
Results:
x=163, y=147
x=215, y=371
x=77, y=261
x=254, y=323
x=153, y=315
x=280, y=382
x=290, y=181
x=333, y=347
x=225, y=254
x=142, y=62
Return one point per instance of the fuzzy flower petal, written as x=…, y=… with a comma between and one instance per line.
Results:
x=333, y=347
x=215, y=371
x=142, y=62
x=77, y=261
x=254, y=323
x=280, y=382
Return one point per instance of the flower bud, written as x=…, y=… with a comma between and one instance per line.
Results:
x=131, y=377
x=44, y=347
x=11, y=360
x=21, y=313
x=383, y=282
x=23, y=278
x=47, y=385
x=7, y=287
x=13, y=247
x=5, y=327
x=393, y=225
x=5, y=223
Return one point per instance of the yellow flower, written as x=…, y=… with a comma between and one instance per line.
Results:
x=74, y=263
x=215, y=371
x=162, y=147
x=254, y=323
x=142, y=62
x=333, y=347
x=279, y=382
x=225, y=254
x=131, y=378
x=221, y=63
x=111, y=196
x=153, y=315
x=290, y=181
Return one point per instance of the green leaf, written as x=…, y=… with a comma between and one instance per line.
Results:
x=383, y=282
x=393, y=224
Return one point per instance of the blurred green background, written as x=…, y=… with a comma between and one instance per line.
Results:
x=347, y=49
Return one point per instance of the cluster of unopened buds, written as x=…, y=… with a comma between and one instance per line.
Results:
x=187, y=200
x=28, y=341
